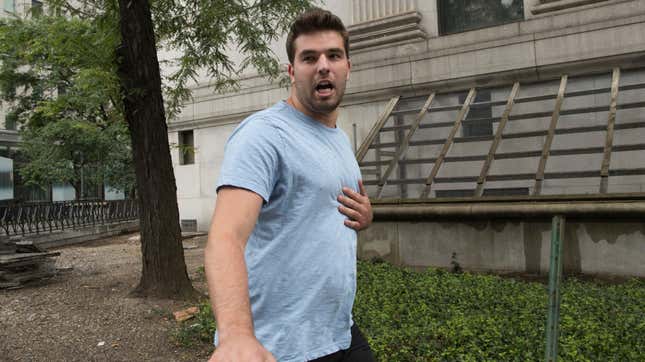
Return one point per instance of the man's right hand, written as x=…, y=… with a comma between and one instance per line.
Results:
x=234, y=218
x=241, y=348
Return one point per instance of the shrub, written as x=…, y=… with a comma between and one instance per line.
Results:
x=437, y=315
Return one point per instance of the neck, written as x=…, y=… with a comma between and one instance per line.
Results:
x=327, y=119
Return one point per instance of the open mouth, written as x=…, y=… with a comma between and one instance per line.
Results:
x=324, y=88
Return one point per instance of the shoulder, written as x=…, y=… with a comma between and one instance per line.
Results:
x=261, y=130
x=269, y=120
x=256, y=126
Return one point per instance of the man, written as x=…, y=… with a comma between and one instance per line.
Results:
x=281, y=253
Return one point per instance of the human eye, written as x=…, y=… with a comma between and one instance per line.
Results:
x=308, y=58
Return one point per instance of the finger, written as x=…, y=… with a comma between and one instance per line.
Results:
x=351, y=193
x=350, y=213
x=353, y=224
x=361, y=188
x=349, y=202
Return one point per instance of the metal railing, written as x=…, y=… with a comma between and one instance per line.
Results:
x=42, y=217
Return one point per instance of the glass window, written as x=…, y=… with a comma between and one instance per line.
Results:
x=10, y=6
x=6, y=178
x=462, y=15
x=113, y=194
x=63, y=192
x=36, y=7
x=9, y=124
x=186, y=148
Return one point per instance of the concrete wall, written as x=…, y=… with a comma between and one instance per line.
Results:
x=590, y=247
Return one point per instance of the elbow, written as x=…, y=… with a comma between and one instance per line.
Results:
x=222, y=243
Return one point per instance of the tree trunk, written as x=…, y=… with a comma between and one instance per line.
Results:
x=164, y=270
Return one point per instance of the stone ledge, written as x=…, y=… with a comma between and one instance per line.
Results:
x=387, y=30
x=546, y=6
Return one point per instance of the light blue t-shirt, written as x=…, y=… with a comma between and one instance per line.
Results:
x=301, y=258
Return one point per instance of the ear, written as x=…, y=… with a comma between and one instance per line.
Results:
x=290, y=70
x=349, y=68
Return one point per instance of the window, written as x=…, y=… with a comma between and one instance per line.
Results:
x=188, y=225
x=36, y=8
x=10, y=122
x=6, y=178
x=10, y=6
x=462, y=15
x=479, y=121
x=186, y=148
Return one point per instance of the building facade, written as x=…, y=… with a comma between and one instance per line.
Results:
x=411, y=49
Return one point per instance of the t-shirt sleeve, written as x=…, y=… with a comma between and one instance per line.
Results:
x=251, y=158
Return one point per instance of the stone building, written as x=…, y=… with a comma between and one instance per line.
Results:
x=455, y=102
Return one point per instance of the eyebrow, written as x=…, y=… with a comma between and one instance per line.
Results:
x=330, y=50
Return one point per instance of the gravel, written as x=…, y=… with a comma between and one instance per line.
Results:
x=85, y=313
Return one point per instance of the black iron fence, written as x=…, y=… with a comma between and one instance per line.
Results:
x=42, y=217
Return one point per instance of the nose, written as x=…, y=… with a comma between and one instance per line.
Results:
x=323, y=64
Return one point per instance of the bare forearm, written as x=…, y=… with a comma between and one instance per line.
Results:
x=228, y=288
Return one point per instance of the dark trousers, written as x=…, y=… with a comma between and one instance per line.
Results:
x=358, y=351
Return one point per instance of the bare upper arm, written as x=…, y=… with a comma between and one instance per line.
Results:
x=236, y=212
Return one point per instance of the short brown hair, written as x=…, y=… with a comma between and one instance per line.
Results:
x=311, y=21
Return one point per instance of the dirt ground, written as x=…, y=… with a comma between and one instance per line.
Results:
x=87, y=314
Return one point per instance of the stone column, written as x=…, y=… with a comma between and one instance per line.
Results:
x=366, y=10
x=384, y=22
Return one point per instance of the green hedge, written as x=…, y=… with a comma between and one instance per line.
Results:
x=437, y=315
x=441, y=316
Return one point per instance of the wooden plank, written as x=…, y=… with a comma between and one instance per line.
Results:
x=464, y=158
x=362, y=151
x=402, y=170
x=473, y=139
x=627, y=172
x=417, y=161
x=369, y=171
x=570, y=130
x=625, y=148
x=609, y=140
x=9, y=258
x=405, y=143
x=374, y=163
x=498, y=137
x=377, y=156
x=630, y=125
x=446, y=146
x=539, y=176
x=388, y=153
